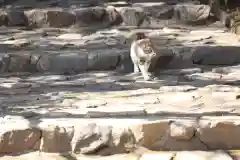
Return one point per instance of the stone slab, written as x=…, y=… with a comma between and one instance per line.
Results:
x=132, y=156
x=105, y=113
x=62, y=51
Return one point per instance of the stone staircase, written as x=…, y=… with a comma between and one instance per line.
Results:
x=67, y=87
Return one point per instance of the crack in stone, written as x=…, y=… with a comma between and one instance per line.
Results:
x=196, y=133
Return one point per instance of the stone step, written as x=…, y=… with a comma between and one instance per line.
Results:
x=115, y=135
x=94, y=13
x=150, y=155
x=105, y=113
x=64, y=51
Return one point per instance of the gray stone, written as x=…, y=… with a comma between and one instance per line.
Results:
x=157, y=130
x=63, y=63
x=113, y=17
x=91, y=139
x=16, y=18
x=19, y=63
x=4, y=62
x=103, y=60
x=3, y=18
x=191, y=13
x=159, y=10
x=132, y=16
x=92, y=17
x=216, y=55
x=50, y=18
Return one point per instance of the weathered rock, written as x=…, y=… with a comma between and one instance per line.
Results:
x=63, y=63
x=92, y=17
x=91, y=139
x=19, y=63
x=156, y=131
x=191, y=13
x=159, y=10
x=56, y=138
x=212, y=133
x=174, y=60
x=4, y=61
x=165, y=13
x=113, y=16
x=173, y=144
x=16, y=18
x=36, y=18
x=216, y=55
x=123, y=140
x=55, y=17
x=19, y=139
x=182, y=131
x=3, y=18
x=104, y=59
x=132, y=16
x=180, y=136
x=200, y=155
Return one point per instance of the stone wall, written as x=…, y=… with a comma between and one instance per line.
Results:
x=203, y=133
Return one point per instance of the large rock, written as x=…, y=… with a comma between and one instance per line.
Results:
x=180, y=136
x=133, y=16
x=63, y=63
x=96, y=18
x=159, y=10
x=147, y=134
x=12, y=17
x=103, y=59
x=3, y=18
x=212, y=133
x=191, y=13
x=55, y=17
x=91, y=138
x=4, y=61
x=57, y=139
x=19, y=63
x=113, y=16
x=216, y=55
x=15, y=138
x=90, y=17
x=174, y=144
x=16, y=18
x=87, y=138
